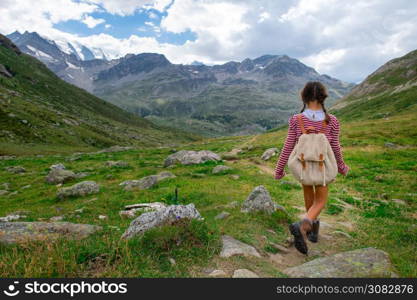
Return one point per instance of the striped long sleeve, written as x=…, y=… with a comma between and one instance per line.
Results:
x=289, y=144
x=294, y=132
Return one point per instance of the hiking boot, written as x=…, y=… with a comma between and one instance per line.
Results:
x=313, y=235
x=299, y=231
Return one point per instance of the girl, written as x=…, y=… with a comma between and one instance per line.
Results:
x=313, y=113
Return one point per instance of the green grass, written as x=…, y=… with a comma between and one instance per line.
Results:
x=380, y=222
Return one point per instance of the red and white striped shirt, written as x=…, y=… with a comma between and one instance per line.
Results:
x=294, y=132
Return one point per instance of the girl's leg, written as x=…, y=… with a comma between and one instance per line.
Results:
x=319, y=202
x=308, y=196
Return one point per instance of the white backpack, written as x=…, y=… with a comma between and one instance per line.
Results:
x=312, y=162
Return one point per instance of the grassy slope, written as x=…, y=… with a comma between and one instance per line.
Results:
x=37, y=109
x=376, y=219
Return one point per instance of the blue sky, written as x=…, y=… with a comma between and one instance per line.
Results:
x=344, y=39
x=144, y=23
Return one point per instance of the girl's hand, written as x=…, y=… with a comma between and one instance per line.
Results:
x=280, y=175
x=344, y=170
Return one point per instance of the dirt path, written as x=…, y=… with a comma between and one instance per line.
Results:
x=334, y=231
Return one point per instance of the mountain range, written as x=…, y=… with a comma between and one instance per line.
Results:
x=38, y=108
x=234, y=98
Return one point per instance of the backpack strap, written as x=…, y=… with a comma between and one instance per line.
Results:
x=301, y=123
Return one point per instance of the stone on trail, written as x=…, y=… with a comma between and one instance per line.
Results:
x=80, y=189
x=220, y=169
x=15, y=169
x=217, y=274
x=146, y=182
x=185, y=157
x=269, y=153
x=233, y=247
x=59, y=175
x=244, y=273
x=367, y=262
x=260, y=200
x=15, y=232
x=131, y=210
x=166, y=216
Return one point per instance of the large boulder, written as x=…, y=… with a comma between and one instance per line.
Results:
x=80, y=189
x=260, y=200
x=185, y=157
x=15, y=232
x=233, y=247
x=165, y=216
x=366, y=262
x=269, y=153
x=59, y=175
x=146, y=182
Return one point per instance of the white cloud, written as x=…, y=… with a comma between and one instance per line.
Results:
x=345, y=39
x=92, y=22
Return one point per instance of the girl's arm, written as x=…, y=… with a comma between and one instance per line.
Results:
x=335, y=144
x=288, y=147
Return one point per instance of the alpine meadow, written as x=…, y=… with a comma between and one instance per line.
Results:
x=137, y=166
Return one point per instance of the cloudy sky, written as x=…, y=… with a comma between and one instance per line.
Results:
x=345, y=39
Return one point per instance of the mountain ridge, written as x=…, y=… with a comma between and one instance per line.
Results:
x=246, y=97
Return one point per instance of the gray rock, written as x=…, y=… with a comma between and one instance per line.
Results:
x=15, y=169
x=114, y=149
x=117, y=164
x=82, y=175
x=367, y=262
x=131, y=210
x=80, y=189
x=103, y=217
x=244, y=273
x=234, y=176
x=26, y=187
x=221, y=169
x=260, y=200
x=222, y=215
x=7, y=157
x=232, y=247
x=217, y=274
x=57, y=166
x=165, y=216
x=185, y=157
x=56, y=219
x=6, y=186
x=11, y=217
x=269, y=153
x=3, y=192
x=146, y=182
x=15, y=232
x=390, y=145
x=399, y=201
x=59, y=175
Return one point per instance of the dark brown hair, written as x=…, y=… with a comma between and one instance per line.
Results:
x=315, y=90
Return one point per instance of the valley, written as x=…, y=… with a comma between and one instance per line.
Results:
x=67, y=187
